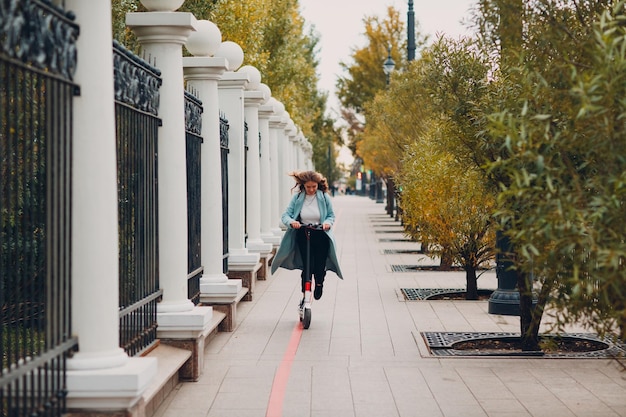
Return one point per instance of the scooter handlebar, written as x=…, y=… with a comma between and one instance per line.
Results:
x=312, y=226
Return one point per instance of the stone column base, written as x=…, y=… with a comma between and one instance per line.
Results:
x=192, y=368
x=138, y=410
x=247, y=275
x=226, y=305
x=264, y=271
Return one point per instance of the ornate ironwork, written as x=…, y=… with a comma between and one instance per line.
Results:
x=137, y=126
x=136, y=81
x=193, y=114
x=224, y=127
x=40, y=35
x=37, y=62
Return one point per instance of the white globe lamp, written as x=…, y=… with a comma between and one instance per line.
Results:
x=233, y=54
x=254, y=76
x=267, y=93
x=279, y=107
x=162, y=5
x=206, y=40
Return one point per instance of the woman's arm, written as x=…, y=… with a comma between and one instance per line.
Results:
x=330, y=214
x=289, y=216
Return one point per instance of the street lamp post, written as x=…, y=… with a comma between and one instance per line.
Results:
x=388, y=66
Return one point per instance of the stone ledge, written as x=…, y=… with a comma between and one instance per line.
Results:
x=169, y=361
x=227, y=305
x=192, y=368
x=248, y=276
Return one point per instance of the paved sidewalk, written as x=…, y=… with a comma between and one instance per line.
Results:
x=363, y=355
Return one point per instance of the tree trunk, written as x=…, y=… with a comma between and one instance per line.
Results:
x=391, y=194
x=529, y=324
x=446, y=260
x=471, y=283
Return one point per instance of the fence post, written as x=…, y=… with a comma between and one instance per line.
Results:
x=288, y=152
x=162, y=35
x=277, y=127
x=241, y=262
x=95, y=264
x=254, y=96
x=202, y=73
x=180, y=322
x=269, y=187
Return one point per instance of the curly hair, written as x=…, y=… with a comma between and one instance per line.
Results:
x=302, y=177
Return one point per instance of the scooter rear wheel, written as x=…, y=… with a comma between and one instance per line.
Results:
x=306, y=320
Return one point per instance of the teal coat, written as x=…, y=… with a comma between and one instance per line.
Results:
x=288, y=255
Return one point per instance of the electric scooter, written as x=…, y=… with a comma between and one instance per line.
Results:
x=305, y=305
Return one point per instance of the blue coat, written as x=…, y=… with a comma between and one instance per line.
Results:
x=288, y=255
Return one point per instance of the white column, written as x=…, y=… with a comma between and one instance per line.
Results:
x=301, y=151
x=277, y=172
x=253, y=98
x=231, y=98
x=202, y=74
x=292, y=135
x=101, y=372
x=287, y=158
x=266, y=111
x=162, y=35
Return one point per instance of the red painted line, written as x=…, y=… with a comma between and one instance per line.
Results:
x=277, y=396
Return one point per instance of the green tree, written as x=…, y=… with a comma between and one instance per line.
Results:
x=563, y=161
x=412, y=129
x=447, y=205
x=364, y=73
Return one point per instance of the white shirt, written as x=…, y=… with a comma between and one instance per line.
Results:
x=310, y=212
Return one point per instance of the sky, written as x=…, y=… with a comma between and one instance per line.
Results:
x=339, y=24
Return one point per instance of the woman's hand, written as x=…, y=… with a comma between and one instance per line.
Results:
x=295, y=225
x=326, y=226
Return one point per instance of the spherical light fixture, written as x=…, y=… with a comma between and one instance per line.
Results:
x=233, y=54
x=389, y=65
x=279, y=108
x=162, y=5
x=267, y=93
x=206, y=40
x=254, y=76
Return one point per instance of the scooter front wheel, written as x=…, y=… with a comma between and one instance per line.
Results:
x=306, y=320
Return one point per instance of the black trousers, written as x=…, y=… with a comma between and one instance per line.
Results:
x=320, y=245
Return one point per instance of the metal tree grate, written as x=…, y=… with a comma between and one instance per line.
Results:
x=396, y=240
x=415, y=268
x=416, y=294
x=441, y=344
x=402, y=251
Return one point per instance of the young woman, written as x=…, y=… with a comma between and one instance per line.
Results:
x=310, y=205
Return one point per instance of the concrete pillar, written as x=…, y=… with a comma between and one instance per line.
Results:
x=288, y=159
x=202, y=73
x=253, y=98
x=292, y=136
x=162, y=35
x=231, y=98
x=276, y=172
x=266, y=111
x=299, y=142
x=101, y=372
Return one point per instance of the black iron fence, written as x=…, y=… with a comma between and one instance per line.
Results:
x=224, y=166
x=136, y=108
x=245, y=181
x=37, y=63
x=193, y=134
